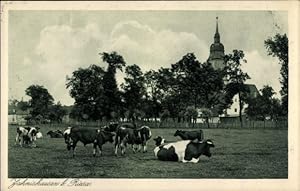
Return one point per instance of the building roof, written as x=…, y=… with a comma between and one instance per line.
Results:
x=217, y=48
x=253, y=91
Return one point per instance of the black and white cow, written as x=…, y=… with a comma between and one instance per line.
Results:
x=128, y=134
x=87, y=136
x=183, y=151
x=190, y=135
x=26, y=135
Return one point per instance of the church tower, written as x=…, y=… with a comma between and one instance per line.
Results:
x=216, y=56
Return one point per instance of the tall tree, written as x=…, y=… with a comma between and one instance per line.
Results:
x=86, y=87
x=236, y=78
x=153, y=95
x=200, y=84
x=111, y=91
x=278, y=47
x=134, y=89
x=40, y=101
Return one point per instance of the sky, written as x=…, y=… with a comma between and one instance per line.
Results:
x=44, y=47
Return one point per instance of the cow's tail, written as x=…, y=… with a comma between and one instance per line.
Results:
x=202, y=135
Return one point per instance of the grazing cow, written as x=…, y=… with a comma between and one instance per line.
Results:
x=26, y=135
x=190, y=135
x=128, y=134
x=183, y=151
x=160, y=141
x=87, y=136
x=55, y=134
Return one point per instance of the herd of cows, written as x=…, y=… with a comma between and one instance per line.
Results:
x=188, y=149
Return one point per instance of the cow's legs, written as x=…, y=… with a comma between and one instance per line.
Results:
x=116, y=149
x=99, y=148
x=123, y=148
x=145, y=147
x=17, y=139
x=74, y=148
x=94, y=150
x=139, y=148
x=134, y=148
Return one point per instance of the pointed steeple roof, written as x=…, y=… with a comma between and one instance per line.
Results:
x=217, y=35
x=216, y=56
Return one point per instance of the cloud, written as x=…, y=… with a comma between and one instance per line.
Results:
x=61, y=50
x=142, y=45
x=262, y=71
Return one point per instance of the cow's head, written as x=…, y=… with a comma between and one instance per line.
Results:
x=207, y=147
x=159, y=140
x=177, y=133
x=32, y=133
x=49, y=132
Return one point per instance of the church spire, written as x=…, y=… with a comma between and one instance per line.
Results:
x=217, y=35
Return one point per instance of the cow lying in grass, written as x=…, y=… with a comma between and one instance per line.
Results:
x=26, y=136
x=87, y=136
x=183, y=151
x=128, y=134
x=190, y=135
x=55, y=134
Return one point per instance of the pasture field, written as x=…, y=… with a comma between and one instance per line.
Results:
x=239, y=153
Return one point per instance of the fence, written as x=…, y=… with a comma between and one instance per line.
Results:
x=183, y=125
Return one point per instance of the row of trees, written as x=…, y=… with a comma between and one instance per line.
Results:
x=179, y=91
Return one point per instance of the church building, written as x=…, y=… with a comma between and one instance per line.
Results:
x=216, y=58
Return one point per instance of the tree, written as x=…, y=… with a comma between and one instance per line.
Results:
x=134, y=88
x=278, y=47
x=86, y=87
x=236, y=78
x=40, y=101
x=191, y=114
x=111, y=92
x=264, y=105
x=206, y=114
x=57, y=112
x=153, y=95
x=197, y=85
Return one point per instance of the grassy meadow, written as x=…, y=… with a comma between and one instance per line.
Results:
x=239, y=153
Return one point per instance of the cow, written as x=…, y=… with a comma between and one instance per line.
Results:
x=93, y=136
x=190, y=135
x=129, y=134
x=26, y=135
x=160, y=141
x=55, y=134
x=183, y=151
x=145, y=134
